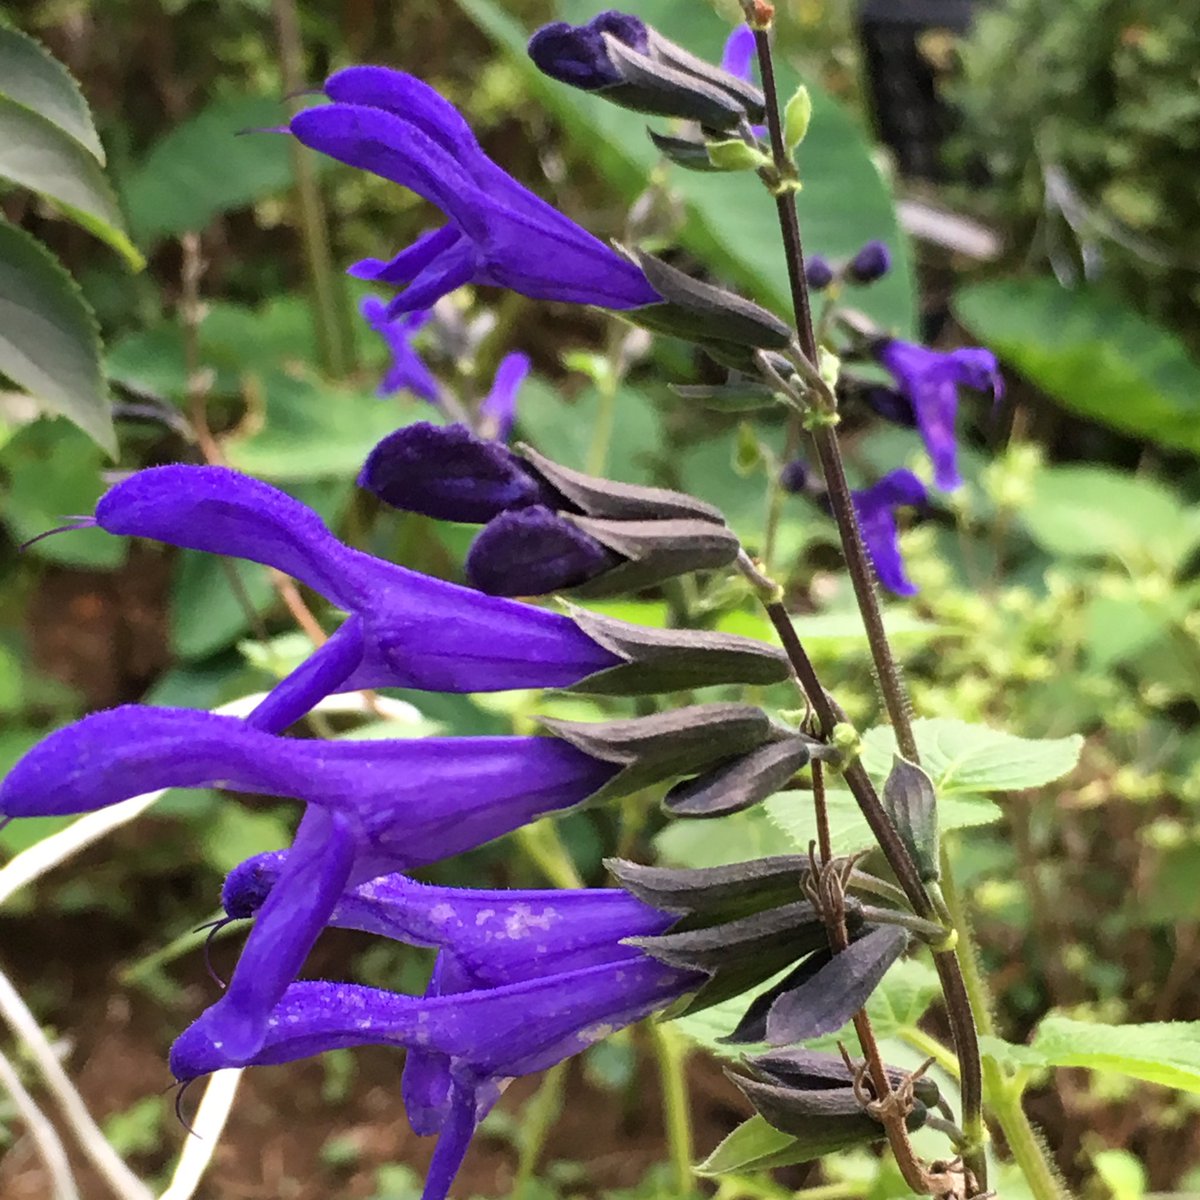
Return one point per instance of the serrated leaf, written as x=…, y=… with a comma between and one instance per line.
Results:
x=1090, y=512
x=844, y=203
x=792, y=814
x=1164, y=1052
x=970, y=759
x=35, y=79
x=176, y=188
x=1093, y=353
x=36, y=154
x=48, y=340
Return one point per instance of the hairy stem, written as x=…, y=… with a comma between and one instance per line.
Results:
x=954, y=990
x=671, y=1053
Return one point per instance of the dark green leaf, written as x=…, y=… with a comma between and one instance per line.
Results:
x=33, y=78
x=1092, y=353
x=48, y=340
x=36, y=154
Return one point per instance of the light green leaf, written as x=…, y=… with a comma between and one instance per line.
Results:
x=1165, y=1052
x=213, y=601
x=752, y=1146
x=1093, y=353
x=722, y=840
x=1122, y=1172
x=963, y=758
x=210, y=165
x=796, y=117
x=53, y=474
x=36, y=154
x=792, y=815
x=731, y=221
x=48, y=340
x=735, y=155
x=317, y=430
x=1090, y=512
x=32, y=77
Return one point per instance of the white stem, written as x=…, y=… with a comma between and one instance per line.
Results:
x=210, y=1121
x=49, y=1146
x=92, y=1141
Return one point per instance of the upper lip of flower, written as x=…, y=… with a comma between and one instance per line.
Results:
x=500, y=233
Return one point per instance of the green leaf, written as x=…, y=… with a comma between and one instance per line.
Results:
x=735, y=155
x=731, y=221
x=210, y=165
x=36, y=154
x=48, y=340
x=964, y=758
x=32, y=77
x=1090, y=512
x=1165, y=1052
x=714, y=843
x=316, y=430
x=792, y=814
x=53, y=473
x=752, y=1146
x=1093, y=354
x=796, y=117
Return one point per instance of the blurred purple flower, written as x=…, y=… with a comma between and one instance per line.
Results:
x=873, y=261
x=407, y=372
x=930, y=380
x=738, y=58
x=498, y=411
x=875, y=507
x=498, y=233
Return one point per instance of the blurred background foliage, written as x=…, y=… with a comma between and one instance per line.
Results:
x=1059, y=589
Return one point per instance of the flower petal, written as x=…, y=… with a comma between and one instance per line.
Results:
x=411, y=261
x=499, y=407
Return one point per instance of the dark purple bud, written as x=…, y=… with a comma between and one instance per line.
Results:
x=532, y=551
x=448, y=473
x=794, y=477
x=890, y=404
x=818, y=272
x=578, y=55
x=872, y=262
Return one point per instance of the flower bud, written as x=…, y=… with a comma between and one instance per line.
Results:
x=871, y=263
x=911, y=802
x=743, y=783
x=817, y=272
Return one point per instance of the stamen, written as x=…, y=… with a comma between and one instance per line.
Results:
x=77, y=522
x=183, y=1087
x=213, y=927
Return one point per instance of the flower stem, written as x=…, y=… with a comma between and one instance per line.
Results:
x=950, y=971
x=671, y=1053
x=537, y=1119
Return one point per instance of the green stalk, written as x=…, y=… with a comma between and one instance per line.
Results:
x=671, y=1053
x=537, y=1119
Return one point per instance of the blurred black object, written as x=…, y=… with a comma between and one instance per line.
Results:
x=908, y=52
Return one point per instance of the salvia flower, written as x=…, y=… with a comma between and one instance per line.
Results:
x=930, y=379
x=876, y=510
x=523, y=980
x=407, y=371
x=498, y=233
x=548, y=528
x=406, y=629
x=617, y=56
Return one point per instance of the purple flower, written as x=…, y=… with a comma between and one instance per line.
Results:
x=448, y=473
x=817, y=272
x=533, y=551
x=876, y=507
x=372, y=807
x=498, y=411
x=739, y=52
x=522, y=981
x=930, y=379
x=404, y=629
x=872, y=262
x=498, y=232
x=576, y=54
x=618, y=56
x=407, y=372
